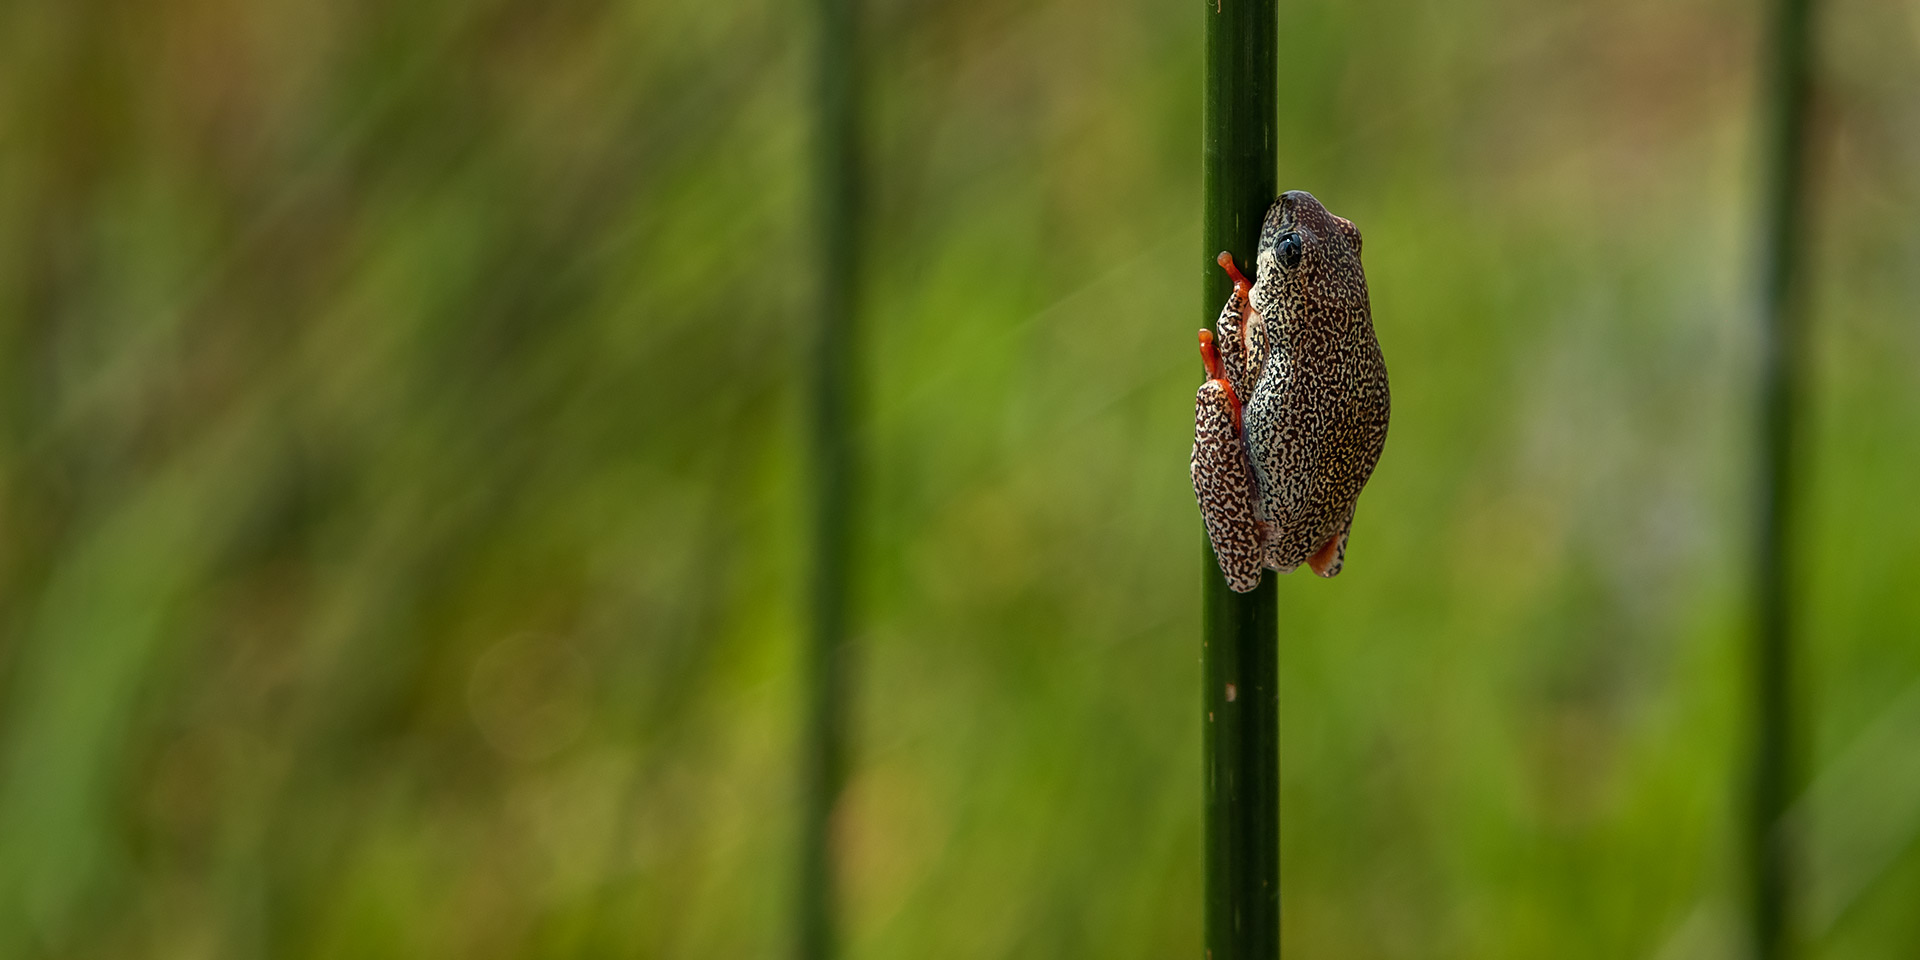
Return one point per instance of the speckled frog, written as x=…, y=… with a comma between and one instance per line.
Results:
x=1293, y=415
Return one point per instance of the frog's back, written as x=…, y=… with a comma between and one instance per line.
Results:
x=1318, y=420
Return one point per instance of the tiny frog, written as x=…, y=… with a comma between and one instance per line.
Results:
x=1293, y=414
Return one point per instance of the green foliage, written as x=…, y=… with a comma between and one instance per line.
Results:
x=401, y=468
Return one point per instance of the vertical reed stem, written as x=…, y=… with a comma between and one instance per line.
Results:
x=1239, y=632
x=835, y=362
x=1783, y=297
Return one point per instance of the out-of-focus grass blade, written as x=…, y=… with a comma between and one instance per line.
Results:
x=1853, y=823
x=1862, y=812
x=95, y=634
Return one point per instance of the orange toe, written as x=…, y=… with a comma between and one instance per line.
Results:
x=1322, y=559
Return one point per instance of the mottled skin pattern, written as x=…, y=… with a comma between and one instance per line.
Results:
x=1293, y=415
x=1223, y=477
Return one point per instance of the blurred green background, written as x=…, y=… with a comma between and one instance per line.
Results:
x=402, y=491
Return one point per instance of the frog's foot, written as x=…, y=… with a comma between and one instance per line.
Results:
x=1243, y=340
x=1222, y=478
x=1332, y=555
x=1242, y=287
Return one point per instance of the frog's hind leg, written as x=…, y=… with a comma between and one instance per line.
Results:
x=1332, y=555
x=1222, y=479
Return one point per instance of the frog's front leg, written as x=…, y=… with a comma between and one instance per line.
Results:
x=1242, y=333
x=1222, y=476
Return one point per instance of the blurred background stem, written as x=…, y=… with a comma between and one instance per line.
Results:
x=1783, y=305
x=834, y=364
x=1239, y=635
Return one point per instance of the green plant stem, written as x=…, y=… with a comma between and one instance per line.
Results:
x=1770, y=845
x=1239, y=632
x=835, y=454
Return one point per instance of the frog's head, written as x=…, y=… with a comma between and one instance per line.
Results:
x=1308, y=265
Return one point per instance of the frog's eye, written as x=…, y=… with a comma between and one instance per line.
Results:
x=1289, y=250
